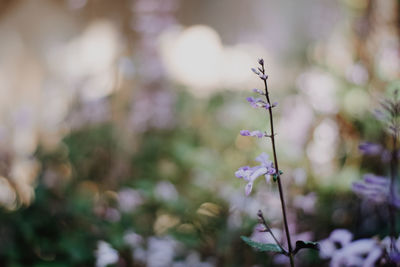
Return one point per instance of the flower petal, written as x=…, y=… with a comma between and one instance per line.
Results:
x=256, y=173
x=248, y=188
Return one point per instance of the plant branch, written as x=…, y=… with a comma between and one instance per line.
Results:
x=262, y=220
x=290, y=252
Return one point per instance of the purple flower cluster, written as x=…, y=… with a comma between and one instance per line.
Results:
x=343, y=252
x=372, y=149
x=250, y=174
x=266, y=167
x=376, y=189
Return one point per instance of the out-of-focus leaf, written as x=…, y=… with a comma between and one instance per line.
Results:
x=262, y=246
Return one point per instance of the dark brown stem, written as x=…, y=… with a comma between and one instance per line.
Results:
x=262, y=220
x=290, y=252
x=393, y=178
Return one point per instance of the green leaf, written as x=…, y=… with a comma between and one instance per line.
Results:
x=262, y=246
x=300, y=244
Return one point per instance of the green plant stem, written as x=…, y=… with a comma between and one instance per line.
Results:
x=290, y=249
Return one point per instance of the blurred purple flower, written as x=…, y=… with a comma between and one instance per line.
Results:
x=132, y=239
x=379, y=115
x=166, y=191
x=250, y=174
x=376, y=189
x=129, y=199
x=370, y=149
x=393, y=255
x=395, y=258
x=257, y=133
x=258, y=91
x=153, y=110
x=342, y=252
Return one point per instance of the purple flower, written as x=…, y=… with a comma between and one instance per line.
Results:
x=257, y=102
x=245, y=133
x=376, y=189
x=263, y=76
x=342, y=251
x=250, y=174
x=243, y=172
x=370, y=149
x=255, y=71
x=258, y=91
x=395, y=257
x=379, y=115
x=261, y=61
x=257, y=133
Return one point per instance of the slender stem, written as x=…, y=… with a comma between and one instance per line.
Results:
x=290, y=252
x=262, y=220
x=393, y=178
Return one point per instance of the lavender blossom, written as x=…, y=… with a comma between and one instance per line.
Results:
x=367, y=252
x=370, y=149
x=376, y=189
x=257, y=102
x=258, y=91
x=379, y=115
x=394, y=256
x=250, y=174
x=255, y=71
x=268, y=168
x=342, y=252
x=257, y=133
x=379, y=189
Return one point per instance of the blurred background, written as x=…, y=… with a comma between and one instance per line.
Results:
x=120, y=120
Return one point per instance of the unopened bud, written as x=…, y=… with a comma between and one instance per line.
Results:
x=255, y=71
x=259, y=214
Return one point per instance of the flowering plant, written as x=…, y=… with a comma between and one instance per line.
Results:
x=267, y=169
x=376, y=189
